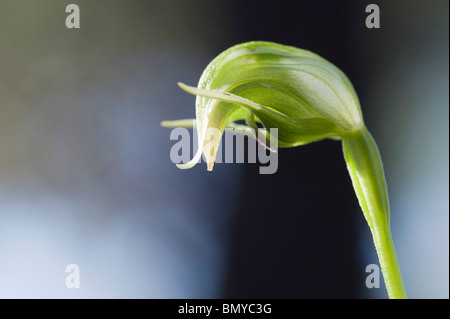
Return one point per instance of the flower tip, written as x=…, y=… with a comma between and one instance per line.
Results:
x=184, y=166
x=189, y=123
x=182, y=85
x=210, y=166
x=189, y=89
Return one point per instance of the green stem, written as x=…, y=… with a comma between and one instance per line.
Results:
x=366, y=171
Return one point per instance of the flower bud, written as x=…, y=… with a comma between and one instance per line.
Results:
x=296, y=91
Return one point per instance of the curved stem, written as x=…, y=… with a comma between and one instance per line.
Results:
x=366, y=171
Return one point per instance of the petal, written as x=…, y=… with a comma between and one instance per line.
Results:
x=188, y=123
x=291, y=131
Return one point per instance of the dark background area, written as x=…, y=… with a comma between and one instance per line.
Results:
x=294, y=235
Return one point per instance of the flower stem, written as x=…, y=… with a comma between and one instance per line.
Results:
x=366, y=171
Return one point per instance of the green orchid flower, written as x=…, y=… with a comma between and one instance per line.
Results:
x=307, y=99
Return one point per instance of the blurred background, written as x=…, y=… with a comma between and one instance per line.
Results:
x=86, y=178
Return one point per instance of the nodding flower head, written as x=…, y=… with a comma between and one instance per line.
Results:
x=306, y=98
x=296, y=91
